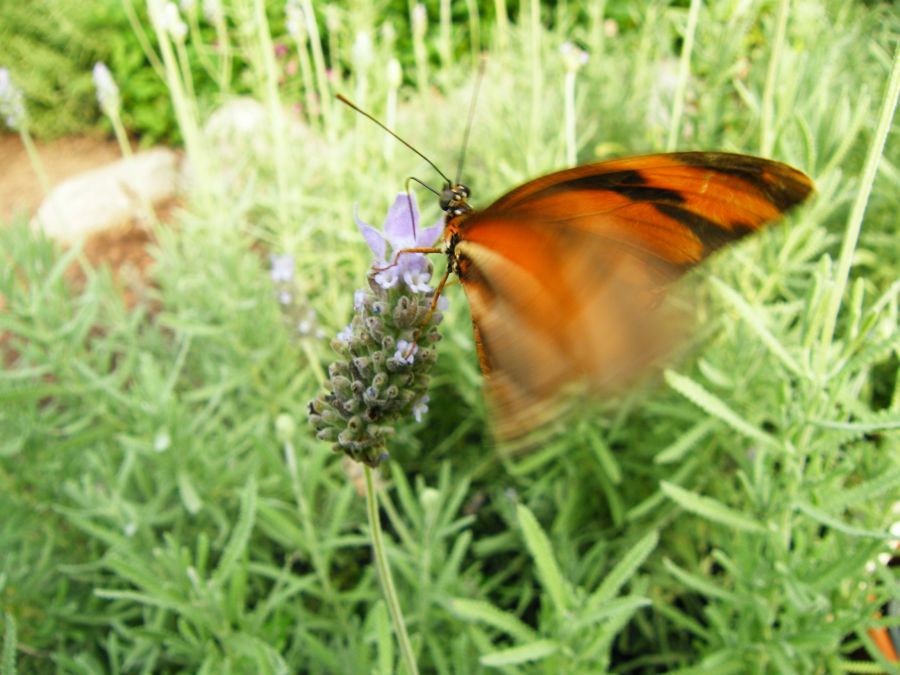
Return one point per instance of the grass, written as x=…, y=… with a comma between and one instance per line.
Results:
x=165, y=508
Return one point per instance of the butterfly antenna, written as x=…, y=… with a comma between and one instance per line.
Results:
x=465, y=143
x=365, y=114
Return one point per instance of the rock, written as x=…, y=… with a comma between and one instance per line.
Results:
x=108, y=197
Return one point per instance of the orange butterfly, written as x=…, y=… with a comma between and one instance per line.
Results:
x=564, y=274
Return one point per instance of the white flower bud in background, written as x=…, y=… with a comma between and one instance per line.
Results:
x=573, y=57
x=388, y=35
x=394, y=74
x=363, y=51
x=419, y=20
x=212, y=10
x=295, y=21
x=166, y=17
x=332, y=18
x=12, y=103
x=176, y=27
x=285, y=427
x=188, y=6
x=107, y=91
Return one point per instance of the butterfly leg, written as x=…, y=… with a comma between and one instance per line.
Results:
x=430, y=312
x=424, y=249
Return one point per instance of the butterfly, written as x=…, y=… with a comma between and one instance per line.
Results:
x=565, y=274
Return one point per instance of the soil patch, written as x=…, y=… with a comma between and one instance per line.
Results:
x=21, y=191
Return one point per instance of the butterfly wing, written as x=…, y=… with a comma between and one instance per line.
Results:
x=564, y=274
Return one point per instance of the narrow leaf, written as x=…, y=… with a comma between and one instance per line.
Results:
x=716, y=407
x=477, y=610
x=838, y=524
x=548, y=569
x=752, y=317
x=884, y=483
x=189, y=497
x=626, y=605
x=10, y=639
x=709, y=508
x=624, y=570
x=685, y=442
x=533, y=651
x=700, y=584
x=240, y=535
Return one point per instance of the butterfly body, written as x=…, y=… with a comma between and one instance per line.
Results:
x=565, y=273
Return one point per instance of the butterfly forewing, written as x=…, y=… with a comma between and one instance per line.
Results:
x=565, y=274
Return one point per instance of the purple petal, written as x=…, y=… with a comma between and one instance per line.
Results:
x=373, y=237
x=406, y=352
x=417, y=281
x=429, y=235
x=388, y=278
x=345, y=334
x=359, y=299
x=398, y=226
x=415, y=270
x=282, y=267
x=420, y=407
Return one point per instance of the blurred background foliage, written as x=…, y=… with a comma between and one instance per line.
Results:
x=165, y=508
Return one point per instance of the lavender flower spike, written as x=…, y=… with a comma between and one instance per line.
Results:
x=12, y=103
x=107, y=90
x=385, y=354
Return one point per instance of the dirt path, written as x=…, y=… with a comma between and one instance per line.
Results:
x=20, y=189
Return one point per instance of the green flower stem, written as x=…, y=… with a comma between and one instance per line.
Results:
x=309, y=82
x=684, y=72
x=767, y=123
x=273, y=102
x=569, y=102
x=501, y=24
x=35, y=160
x=315, y=42
x=119, y=131
x=387, y=581
x=535, y=147
x=854, y=221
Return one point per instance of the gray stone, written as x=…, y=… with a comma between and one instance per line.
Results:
x=109, y=197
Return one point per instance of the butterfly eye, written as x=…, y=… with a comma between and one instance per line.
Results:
x=464, y=190
x=447, y=197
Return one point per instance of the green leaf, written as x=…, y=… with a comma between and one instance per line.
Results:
x=884, y=483
x=716, y=407
x=10, y=639
x=700, y=584
x=624, y=569
x=709, y=508
x=477, y=610
x=757, y=323
x=240, y=535
x=542, y=552
x=685, y=442
x=604, y=456
x=534, y=651
x=626, y=605
x=837, y=524
x=189, y=497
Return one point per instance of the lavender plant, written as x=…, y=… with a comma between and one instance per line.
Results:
x=386, y=352
x=297, y=313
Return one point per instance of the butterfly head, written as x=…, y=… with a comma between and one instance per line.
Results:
x=455, y=199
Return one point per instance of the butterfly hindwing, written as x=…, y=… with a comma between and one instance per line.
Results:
x=564, y=274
